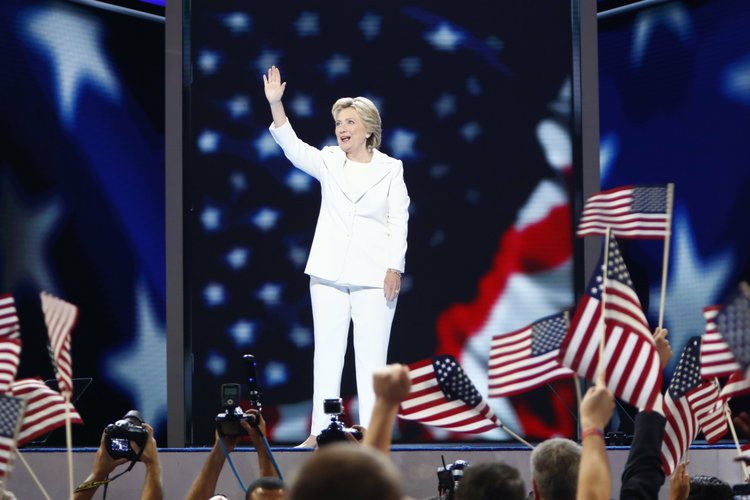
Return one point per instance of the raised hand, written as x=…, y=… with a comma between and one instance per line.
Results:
x=272, y=85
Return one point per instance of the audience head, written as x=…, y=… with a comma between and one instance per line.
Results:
x=554, y=469
x=341, y=471
x=266, y=488
x=491, y=480
x=709, y=488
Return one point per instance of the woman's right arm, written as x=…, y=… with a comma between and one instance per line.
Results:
x=274, y=91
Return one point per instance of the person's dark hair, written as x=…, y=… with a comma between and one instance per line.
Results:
x=709, y=488
x=491, y=480
x=554, y=468
x=341, y=471
x=267, y=483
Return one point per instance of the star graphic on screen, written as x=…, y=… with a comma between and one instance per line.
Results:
x=401, y=143
x=694, y=282
x=265, y=146
x=237, y=22
x=735, y=81
x=674, y=17
x=23, y=250
x=73, y=45
x=444, y=37
x=139, y=368
x=445, y=105
x=337, y=65
x=370, y=25
x=307, y=24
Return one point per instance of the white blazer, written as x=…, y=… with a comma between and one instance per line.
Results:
x=365, y=228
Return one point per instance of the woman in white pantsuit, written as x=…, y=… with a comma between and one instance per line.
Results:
x=358, y=252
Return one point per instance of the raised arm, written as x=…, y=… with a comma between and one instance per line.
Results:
x=205, y=483
x=265, y=464
x=392, y=385
x=594, y=479
x=103, y=466
x=152, y=485
x=274, y=91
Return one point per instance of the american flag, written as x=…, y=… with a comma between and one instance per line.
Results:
x=631, y=212
x=716, y=358
x=691, y=404
x=631, y=362
x=736, y=385
x=527, y=358
x=60, y=317
x=10, y=342
x=733, y=322
x=10, y=355
x=443, y=396
x=11, y=412
x=45, y=409
x=9, y=327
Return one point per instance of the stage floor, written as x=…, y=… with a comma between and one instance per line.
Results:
x=417, y=465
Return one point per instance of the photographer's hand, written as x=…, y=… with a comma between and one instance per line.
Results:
x=152, y=486
x=256, y=433
x=350, y=437
x=103, y=466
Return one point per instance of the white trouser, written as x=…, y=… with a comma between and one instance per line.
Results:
x=334, y=307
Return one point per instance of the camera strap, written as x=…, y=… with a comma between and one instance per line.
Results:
x=95, y=484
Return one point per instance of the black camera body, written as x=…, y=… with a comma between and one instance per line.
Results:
x=336, y=431
x=119, y=435
x=449, y=477
x=228, y=421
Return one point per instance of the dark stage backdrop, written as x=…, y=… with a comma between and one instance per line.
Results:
x=82, y=198
x=476, y=101
x=675, y=107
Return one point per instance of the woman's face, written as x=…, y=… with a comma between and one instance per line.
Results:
x=351, y=133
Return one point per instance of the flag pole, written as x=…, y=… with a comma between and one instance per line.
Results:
x=728, y=414
x=665, y=259
x=602, y=304
x=516, y=436
x=69, y=441
x=33, y=476
x=577, y=384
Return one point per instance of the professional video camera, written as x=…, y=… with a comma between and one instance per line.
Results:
x=119, y=435
x=335, y=430
x=449, y=477
x=228, y=421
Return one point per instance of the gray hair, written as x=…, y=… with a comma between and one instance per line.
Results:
x=366, y=110
x=554, y=468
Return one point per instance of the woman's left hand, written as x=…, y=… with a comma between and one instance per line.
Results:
x=391, y=285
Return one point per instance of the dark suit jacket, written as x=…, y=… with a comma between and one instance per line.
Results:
x=644, y=474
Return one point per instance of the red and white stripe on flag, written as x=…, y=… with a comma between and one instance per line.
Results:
x=630, y=211
x=716, y=358
x=9, y=325
x=527, y=358
x=429, y=401
x=45, y=409
x=60, y=317
x=736, y=385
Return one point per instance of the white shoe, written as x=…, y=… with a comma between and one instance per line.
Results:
x=310, y=442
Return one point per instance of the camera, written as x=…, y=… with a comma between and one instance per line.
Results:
x=449, y=477
x=741, y=491
x=119, y=435
x=336, y=431
x=228, y=421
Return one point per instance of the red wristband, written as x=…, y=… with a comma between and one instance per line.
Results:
x=592, y=431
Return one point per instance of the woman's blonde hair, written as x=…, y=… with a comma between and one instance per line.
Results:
x=366, y=110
